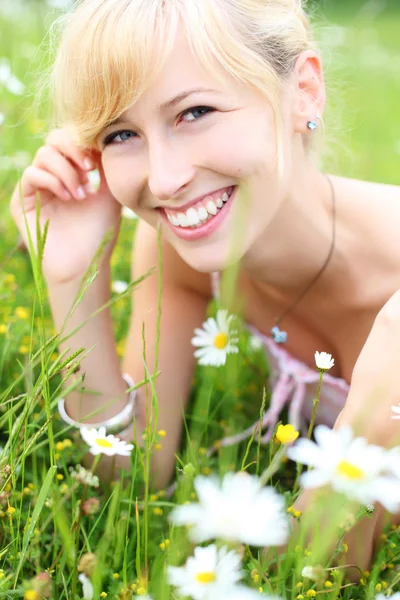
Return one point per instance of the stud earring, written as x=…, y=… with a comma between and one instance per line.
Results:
x=312, y=125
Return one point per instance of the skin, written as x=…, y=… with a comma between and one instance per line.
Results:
x=167, y=159
x=288, y=227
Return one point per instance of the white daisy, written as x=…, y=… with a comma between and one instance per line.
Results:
x=87, y=587
x=207, y=573
x=349, y=465
x=100, y=443
x=215, y=340
x=239, y=592
x=119, y=286
x=392, y=597
x=238, y=509
x=324, y=361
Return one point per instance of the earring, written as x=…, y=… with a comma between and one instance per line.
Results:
x=312, y=125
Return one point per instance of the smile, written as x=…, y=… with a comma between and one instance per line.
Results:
x=201, y=219
x=197, y=215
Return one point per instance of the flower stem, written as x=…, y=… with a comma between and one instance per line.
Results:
x=316, y=401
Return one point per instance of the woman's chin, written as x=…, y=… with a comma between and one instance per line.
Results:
x=206, y=260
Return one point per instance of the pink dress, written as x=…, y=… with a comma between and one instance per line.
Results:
x=292, y=383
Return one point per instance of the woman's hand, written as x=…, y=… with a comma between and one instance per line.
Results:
x=375, y=382
x=77, y=224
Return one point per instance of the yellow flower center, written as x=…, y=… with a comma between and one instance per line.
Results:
x=221, y=341
x=205, y=577
x=103, y=443
x=350, y=471
x=286, y=434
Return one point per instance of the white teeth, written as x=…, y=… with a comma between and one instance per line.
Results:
x=173, y=219
x=203, y=214
x=192, y=216
x=183, y=222
x=211, y=207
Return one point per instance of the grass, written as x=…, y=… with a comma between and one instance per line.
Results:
x=45, y=524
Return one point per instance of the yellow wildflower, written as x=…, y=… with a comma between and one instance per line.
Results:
x=60, y=446
x=21, y=312
x=311, y=593
x=115, y=575
x=158, y=511
x=31, y=595
x=103, y=595
x=328, y=584
x=162, y=432
x=141, y=591
x=11, y=510
x=286, y=434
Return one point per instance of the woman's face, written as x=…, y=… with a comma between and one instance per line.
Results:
x=204, y=167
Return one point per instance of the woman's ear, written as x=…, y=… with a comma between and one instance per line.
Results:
x=309, y=90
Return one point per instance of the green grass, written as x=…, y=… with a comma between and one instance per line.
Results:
x=48, y=529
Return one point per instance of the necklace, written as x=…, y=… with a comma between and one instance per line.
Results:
x=279, y=336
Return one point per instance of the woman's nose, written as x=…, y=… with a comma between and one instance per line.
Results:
x=169, y=171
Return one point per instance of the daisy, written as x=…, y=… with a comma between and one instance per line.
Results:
x=206, y=573
x=238, y=509
x=87, y=587
x=215, y=340
x=349, y=465
x=100, y=443
x=324, y=361
x=392, y=597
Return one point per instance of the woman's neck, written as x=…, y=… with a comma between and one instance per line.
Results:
x=295, y=245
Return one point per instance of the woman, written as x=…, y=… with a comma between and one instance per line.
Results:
x=200, y=118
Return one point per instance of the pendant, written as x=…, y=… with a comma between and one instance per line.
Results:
x=280, y=337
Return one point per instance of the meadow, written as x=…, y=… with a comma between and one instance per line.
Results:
x=57, y=521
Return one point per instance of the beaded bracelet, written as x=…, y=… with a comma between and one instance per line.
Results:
x=115, y=424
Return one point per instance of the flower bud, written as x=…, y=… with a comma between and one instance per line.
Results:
x=87, y=563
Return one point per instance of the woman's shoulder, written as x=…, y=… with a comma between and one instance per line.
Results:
x=362, y=190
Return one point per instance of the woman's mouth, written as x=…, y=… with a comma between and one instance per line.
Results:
x=199, y=220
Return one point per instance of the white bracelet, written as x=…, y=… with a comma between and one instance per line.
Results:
x=115, y=424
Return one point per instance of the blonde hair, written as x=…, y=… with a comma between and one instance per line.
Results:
x=110, y=51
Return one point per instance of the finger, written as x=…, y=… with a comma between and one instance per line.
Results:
x=74, y=180
x=62, y=140
x=35, y=179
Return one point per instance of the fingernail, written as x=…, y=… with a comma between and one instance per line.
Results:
x=80, y=192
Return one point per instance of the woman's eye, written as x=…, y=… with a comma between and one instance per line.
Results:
x=200, y=111
x=194, y=113
x=111, y=138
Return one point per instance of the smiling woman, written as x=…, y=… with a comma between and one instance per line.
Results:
x=200, y=116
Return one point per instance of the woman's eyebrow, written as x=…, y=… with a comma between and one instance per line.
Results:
x=170, y=103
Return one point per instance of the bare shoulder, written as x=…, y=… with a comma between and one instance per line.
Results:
x=175, y=270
